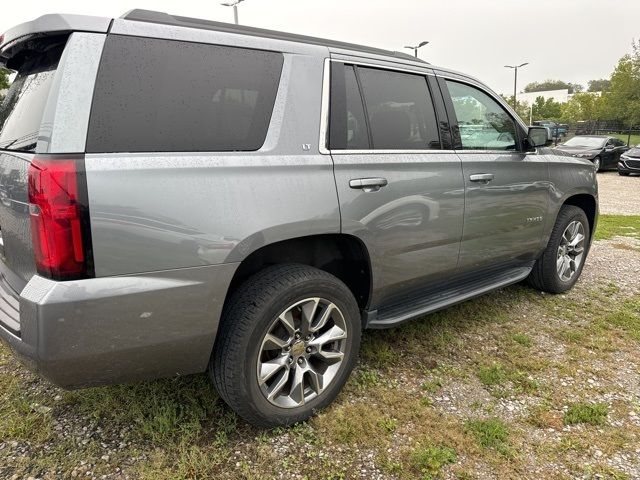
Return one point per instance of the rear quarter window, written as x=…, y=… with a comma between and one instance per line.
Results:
x=155, y=95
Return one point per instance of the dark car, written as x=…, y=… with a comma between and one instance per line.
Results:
x=602, y=150
x=630, y=162
x=556, y=130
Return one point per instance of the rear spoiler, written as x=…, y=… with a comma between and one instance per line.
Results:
x=49, y=24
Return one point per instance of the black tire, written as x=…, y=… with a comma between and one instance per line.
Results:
x=247, y=316
x=624, y=174
x=597, y=161
x=544, y=275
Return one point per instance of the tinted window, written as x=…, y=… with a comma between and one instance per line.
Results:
x=483, y=123
x=348, y=127
x=23, y=106
x=162, y=95
x=400, y=111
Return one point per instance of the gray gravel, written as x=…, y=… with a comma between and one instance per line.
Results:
x=619, y=195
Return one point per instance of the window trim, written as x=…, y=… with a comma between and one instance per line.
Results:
x=455, y=129
x=325, y=114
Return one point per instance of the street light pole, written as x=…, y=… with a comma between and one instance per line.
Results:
x=515, y=80
x=235, y=8
x=415, y=49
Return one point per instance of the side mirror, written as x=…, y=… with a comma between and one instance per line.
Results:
x=537, y=137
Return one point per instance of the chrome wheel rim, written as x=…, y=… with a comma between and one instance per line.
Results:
x=570, y=251
x=302, y=352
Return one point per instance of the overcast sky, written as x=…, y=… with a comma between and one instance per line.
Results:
x=571, y=40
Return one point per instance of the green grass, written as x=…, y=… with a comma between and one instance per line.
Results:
x=430, y=459
x=589, y=413
x=491, y=433
x=635, y=139
x=610, y=226
x=522, y=339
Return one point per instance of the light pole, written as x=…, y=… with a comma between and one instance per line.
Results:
x=515, y=80
x=415, y=49
x=235, y=8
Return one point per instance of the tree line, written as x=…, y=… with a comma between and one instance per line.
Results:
x=618, y=100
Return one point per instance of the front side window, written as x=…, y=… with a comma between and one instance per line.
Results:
x=483, y=123
x=155, y=95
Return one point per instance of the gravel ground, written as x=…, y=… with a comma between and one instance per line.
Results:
x=618, y=195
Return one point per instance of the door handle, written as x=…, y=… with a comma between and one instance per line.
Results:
x=368, y=184
x=481, y=177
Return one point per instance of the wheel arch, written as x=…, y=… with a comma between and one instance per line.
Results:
x=342, y=255
x=587, y=203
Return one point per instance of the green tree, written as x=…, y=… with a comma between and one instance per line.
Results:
x=583, y=106
x=546, y=109
x=601, y=85
x=522, y=108
x=553, y=85
x=623, y=101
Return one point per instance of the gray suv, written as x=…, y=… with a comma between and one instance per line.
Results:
x=180, y=196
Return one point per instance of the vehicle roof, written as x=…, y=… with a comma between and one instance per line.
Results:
x=150, y=16
x=594, y=136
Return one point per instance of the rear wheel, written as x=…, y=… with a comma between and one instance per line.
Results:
x=288, y=340
x=561, y=263
x=624, y=174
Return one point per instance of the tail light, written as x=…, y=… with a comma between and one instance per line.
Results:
x=59, y=214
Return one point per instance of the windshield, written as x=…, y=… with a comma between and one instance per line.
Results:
x=23, y=106
x=587, y=142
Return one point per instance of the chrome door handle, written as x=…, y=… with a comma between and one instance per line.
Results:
x=368, y=184
x=481, y=177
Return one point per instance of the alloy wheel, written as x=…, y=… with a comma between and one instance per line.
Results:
x=301, y=352
x=570, y=251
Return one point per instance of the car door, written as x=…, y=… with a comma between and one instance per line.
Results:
x=399, y=193
x=617, y=147
x=506, y=189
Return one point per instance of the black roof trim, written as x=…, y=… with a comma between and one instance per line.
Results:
x=150, y=16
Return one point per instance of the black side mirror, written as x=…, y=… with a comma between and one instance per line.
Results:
x=537, y=137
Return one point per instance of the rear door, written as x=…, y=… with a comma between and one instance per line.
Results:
x=32, y=74
x=506, y=189
x=399, y=192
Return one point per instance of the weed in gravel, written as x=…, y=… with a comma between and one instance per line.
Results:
x=430, y=459
x=365, y=378
x=490, y=433
x=590, y=413
x=522, y=339
x=166, y=410
x=21, y=416
x=492, y=375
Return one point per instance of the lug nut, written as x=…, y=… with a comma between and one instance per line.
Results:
x=308, y=349
x=290, y=360
x=287, y=348
x=300, y=361
x=297, y=336
x=307, y=338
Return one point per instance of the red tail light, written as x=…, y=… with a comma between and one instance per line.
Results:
x=60, y=218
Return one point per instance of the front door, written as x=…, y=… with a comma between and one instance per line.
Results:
x=398, y=192
x=506, y=189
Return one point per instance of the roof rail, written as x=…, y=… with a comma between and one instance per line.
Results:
x=162, y=18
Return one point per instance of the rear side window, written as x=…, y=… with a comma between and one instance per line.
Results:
x=155, y=95
x=399, y=113
x=33, y=69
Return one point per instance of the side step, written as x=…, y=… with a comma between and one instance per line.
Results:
x=398, y=313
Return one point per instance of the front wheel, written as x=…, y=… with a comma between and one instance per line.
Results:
x=597, y=164
x=288, y=340
x=560, y=265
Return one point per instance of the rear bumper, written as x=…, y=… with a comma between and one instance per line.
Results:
x=116, y=329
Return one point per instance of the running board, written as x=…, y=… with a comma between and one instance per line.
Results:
x=398, y=313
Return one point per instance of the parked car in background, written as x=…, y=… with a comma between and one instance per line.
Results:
x=211, y=197
x=602, y=150
x=630, y=161
x=555, y=130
